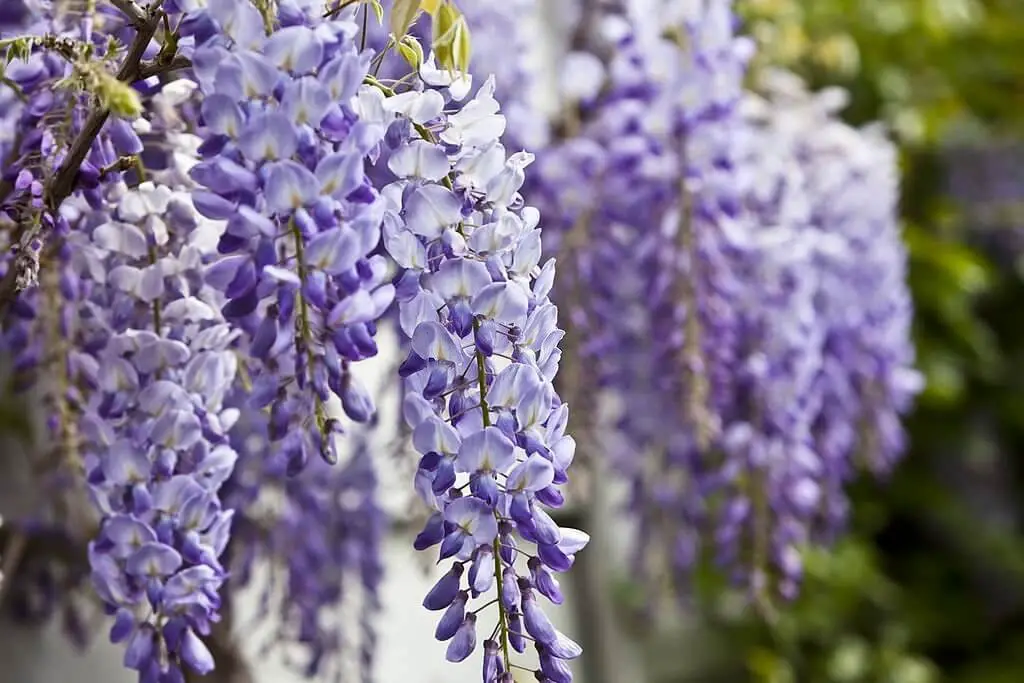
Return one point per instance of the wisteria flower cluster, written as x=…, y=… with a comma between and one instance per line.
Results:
x=721, y=280
x=208, y=224
x=210, y=207
x=480, y=399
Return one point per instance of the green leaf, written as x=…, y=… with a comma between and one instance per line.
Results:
x=769, y=667
x=462, y=48
x=850, y=660
x=411, y=51
x=403, y=12
x=378, y=10
x=19, y=47
x=443, y=32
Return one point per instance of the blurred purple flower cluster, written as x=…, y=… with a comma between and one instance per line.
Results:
x=734, y=276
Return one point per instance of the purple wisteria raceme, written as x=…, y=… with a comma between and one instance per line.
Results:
x=320, y=532
x=473, y=299
x=49, y=331
x=151, y=356
x=283, y=164
x=864, y=377
x=711, y=272
x=650, y=289
x=156, y=429
x=244, y=272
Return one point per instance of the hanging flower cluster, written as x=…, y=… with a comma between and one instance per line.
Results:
x=204, y=256
x=728, y=280
x=284, y=167
x=843, y=183
x=484, y=351
x=321, y=531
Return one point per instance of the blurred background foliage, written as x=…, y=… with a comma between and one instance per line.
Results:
x=929, y=585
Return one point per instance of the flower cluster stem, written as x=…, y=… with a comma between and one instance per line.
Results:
x=303, y=323
x=481, y=378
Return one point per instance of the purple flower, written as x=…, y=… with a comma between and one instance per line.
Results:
x=445, y=590
x=464, y=641
x=451, y=620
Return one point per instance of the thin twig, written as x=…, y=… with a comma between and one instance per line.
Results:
x=337, y=10
x=7, y=187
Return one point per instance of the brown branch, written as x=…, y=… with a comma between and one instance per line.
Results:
x=10, y=557
x=231, y=665
x=585, y=37
x=48, y=543
x=586, y=26
x=337, y=9
x=156, y=68
x=64, y=180
x=135, y=14
x=19, y=547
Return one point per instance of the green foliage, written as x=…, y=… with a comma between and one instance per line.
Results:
x=926, y=66
x=450, y=36
x=402, y=14
x=18, y=47
x=411, y=51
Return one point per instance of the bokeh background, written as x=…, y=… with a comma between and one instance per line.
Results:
x=928, y=585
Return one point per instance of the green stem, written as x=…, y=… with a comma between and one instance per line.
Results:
x=157, y=309
x=696, y=399
x=378, y=60
x=18, y=92
x=140, y=170
x=303, y=323
x=481, y=378
x=484, y=606
x=157, y=317
x=761, y=522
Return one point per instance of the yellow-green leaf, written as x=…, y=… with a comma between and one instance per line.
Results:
x=430, y=6
x=120, y=98
x=402, y=14
x=378, y=10
x=411, y=51
x=443, y=34
x=461, y=46
x=444, y=21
